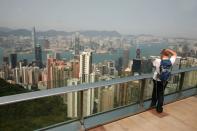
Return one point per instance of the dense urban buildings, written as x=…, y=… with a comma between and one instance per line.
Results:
x=70, y=60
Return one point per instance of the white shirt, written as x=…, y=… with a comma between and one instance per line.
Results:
x=156, y=64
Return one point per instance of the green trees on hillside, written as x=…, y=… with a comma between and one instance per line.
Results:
x=30, y=115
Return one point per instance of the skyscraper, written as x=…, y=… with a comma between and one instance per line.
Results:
x=119, y=65
x=37, y=49
x=85, y=66
x=126, y=58
x=146, y=66
x=46, y=44
x=85, y=71
x=25, y=76
x=136, y=67
x=75, y=68
x=73, y=100
x=33, y=37
x=107, y=98
x=17, y=75
x=13, y=60
x=76, y=44
x=5, y=60
x=56, y=76
x=50, y=61
x=38, y=55
x=138, y=53
x=111, y=67
x=57, y=56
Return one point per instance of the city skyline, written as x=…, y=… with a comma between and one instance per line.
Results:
x=164, y=18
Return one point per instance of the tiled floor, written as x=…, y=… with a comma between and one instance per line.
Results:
x=178, y=116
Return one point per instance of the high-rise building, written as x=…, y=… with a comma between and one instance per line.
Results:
x=37, y=49
x=6, y=71
x=111, y=67
x=35, y=76
x=85, y=76
x=138, y=53
x=30, y=76
x=75, y=68
x=2, y=74
x=57, y=56
x=13, y=60
x=43, y=84
x=107, y=98
x=105, y=95
x=146, y=66
x=103, y=69
x=56, y=76
x=34, y=37
x=119, y=65
x=38, y=55
x=136, y=67
x=126, y=58
x=25, y=76
x=49, y=72
x=6, y=60
x=17, y=75
x=46, y=44
x=126, y=93
x=22, y=63
x=73, y=100
x=76, y=44
x=85, y=66
x=88, y=102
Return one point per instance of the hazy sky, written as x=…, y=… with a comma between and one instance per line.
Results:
x=157, y=17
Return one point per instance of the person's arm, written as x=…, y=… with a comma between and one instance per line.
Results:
x=171, y=52
x=173, y=55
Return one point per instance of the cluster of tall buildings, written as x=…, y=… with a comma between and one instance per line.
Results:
x=59, y=73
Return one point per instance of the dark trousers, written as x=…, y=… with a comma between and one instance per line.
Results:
x=158, y=93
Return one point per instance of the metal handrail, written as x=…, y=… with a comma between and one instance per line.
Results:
x=62, y=90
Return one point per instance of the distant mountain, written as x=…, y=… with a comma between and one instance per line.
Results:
x=100, y=33
x=53, y=33
x=5, y=29
x=24, y=32
x=18, y=32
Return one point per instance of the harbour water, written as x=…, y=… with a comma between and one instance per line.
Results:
x=146, y=51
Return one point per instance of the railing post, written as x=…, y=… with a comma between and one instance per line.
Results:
x=196, y=89
x=181, y=84
x=81, y=116
x=143, y=84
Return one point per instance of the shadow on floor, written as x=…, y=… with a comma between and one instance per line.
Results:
x=160, y=115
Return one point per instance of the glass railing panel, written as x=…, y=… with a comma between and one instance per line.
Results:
x=173, y=84
x=36, y=114
x=190, y=79
x=171, y=87
x=148, y=89
x=107, y=98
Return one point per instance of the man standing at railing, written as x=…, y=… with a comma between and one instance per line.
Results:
x=161, y=75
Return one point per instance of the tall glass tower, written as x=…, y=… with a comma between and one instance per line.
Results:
x=38, y=55
x=37, y=49
x=33, y=37
x=76, y=44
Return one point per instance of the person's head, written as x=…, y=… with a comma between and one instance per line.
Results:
x=164, y=54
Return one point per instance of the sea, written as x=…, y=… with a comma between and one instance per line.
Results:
x=147, y=50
